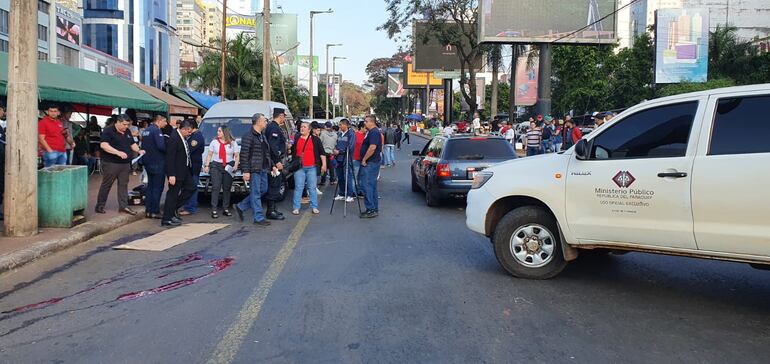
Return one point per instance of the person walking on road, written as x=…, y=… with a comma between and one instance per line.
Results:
x=256, y=163
x=274, y=134
x=370, y=166
x=329, y=140
x=309, y=149
x=533, y=139
x=178, y=169
x=154, y=161
x=117, y=146
x=197, y=143
x=52, y=138
x=399, y=136
x=406, y=134
x=343, y=153
x=221, y=162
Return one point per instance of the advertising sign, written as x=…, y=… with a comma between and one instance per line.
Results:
x=395, y=85
x=431, y=53
x=303, y=73
x=526, y=81
x=525, y=21
x=68, y=25
x=681, y=45
x=243, y=22
x=419, y=79
x=283, y=36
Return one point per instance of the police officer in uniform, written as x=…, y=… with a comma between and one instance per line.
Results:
x=277, y=141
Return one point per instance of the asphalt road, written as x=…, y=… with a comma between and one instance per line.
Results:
x=413, y=285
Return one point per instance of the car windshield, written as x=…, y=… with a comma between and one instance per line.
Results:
x=238, y=126
x=478, y=149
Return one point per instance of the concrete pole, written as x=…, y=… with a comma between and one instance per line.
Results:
x=266, y=53
x=310, y=76
x=512, y=95
x=544, y=81
x=334, y=86
x=224, y=50
x=20, y=206
x=326, y=84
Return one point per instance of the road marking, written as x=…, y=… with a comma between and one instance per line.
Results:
x=230, y=344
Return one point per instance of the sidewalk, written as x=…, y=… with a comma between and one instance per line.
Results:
x=15, y=252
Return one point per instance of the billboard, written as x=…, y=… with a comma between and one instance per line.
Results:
x=544, y=21
x=395, y=85
x=419, y=79
x=681, y=45
x=303, y=73
x=283, y=36
x=526, y=81
x=68, y=25
x=242, y=22
x=430, y=53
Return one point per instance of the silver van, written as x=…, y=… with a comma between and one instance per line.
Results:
x=237, y=116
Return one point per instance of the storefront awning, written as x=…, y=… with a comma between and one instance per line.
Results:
x=60, y=83
x=175, y=105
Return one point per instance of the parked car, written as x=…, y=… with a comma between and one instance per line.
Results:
x=445, y=167
x=237, y=115
x=682, y=175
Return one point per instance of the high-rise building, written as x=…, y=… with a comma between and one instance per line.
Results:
x=213, y=29
x=44, y=31
x=191, y=29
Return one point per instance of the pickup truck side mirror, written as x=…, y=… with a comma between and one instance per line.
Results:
x=581, y=150
x=416, y=153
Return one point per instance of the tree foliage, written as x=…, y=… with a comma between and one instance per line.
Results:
x=377, y=70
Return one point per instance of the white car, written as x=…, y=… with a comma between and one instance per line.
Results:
x=682, y=175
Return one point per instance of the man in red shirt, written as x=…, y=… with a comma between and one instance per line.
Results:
x=52, y=138
x=360, y=134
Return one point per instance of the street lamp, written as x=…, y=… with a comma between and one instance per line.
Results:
x=310, y=78
x=334, y=72
x=326, y=87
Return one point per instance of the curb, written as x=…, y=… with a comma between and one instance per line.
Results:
x=76, y=235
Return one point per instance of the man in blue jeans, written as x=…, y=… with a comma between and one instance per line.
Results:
x=370, y=151
x=197, y=146
x=256, y=164
x=52, y=137
x=154, y=146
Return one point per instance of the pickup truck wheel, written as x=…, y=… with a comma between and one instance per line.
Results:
x=527, y=244
x=415, y=186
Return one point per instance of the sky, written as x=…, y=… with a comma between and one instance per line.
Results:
x=353, y=24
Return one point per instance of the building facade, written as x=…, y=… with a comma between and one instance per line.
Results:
x=44, y=28
x=191, y=28
x=68, y=25
x=213, y=29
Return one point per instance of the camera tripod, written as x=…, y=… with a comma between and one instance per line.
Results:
x=348, y=167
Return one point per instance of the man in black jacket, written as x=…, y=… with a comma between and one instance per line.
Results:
x=178, y=164
x=277, y=140
x=256, y=164
x=197, y=142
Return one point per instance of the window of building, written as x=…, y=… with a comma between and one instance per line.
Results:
x=741, y=126
x=67, y=56
x=43, y=6
x=660, y=132
x=3, y=21
x=42, y=32
x=101, y=4
x=103, y=37
x=42, y=56
x=3, y=45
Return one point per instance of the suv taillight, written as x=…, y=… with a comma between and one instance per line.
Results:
x=443, y=171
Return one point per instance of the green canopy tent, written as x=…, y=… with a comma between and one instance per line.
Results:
x=60, y=83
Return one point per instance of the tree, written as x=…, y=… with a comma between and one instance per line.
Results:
x=355, y=98
x=377, y=70
x=452, y=22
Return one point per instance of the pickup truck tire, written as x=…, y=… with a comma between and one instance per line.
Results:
x=535, y=251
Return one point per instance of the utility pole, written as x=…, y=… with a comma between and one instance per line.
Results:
x=334, y=75
x=224, y=50
x=20, y=206
x=266, y=53
x=310, y=85
x=326, y=87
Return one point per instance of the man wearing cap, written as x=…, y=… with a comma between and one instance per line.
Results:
x=277, y=142
x=546, y=134
x=608, y=116
x=598, y=118
x=329, y=141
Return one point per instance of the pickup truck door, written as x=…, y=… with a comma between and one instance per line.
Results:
x=635, y=187
x=730, y=176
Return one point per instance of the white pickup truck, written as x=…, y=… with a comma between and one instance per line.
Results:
x=683, y=175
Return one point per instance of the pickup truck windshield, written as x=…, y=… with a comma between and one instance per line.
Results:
x=238, y=126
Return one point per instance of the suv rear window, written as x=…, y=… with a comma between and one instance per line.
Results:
x=478, y=149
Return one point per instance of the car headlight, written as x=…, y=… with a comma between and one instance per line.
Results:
x=481, y=178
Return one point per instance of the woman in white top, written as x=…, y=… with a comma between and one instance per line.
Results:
x=221, y=164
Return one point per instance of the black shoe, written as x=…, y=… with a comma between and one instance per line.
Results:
x=369, y=214
x=150, y=215
x=170, y=223
x=263, y=223
x=239, y=212
x=274, y=215
x=100, y=211
x=227, y=212
x=214, y=214
x=176, y=219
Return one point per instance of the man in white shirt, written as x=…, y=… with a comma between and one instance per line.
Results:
x=476, y=123
x=448, y=131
